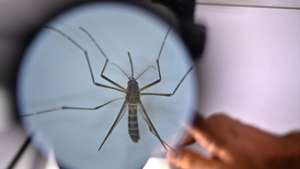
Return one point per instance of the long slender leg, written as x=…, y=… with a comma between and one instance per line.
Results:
x=108, y=79
x=86, y=57
x=71, y=108
x=154, y=133
x=118, y=118
x=157, y=64
x=106, y=59
x=94, y=41
x=142, y=73
x=174, y=91
x=152, y=128
x=131, y=64
x=146, y=120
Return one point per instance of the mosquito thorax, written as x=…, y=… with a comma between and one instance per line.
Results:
x=133, y=94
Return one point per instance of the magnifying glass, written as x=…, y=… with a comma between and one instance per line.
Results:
x=106, y=84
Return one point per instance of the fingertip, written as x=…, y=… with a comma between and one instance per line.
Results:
x=172, y=153
x=171, y=157
x=174, y=157
x=188, y=159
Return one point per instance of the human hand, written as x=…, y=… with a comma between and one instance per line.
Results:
x=233, y=145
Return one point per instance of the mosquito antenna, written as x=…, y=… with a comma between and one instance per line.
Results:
x=66, y=36
x=122, y=70
x=163, y=43
x=142, y=73
x=131, y=64
x=94, y=41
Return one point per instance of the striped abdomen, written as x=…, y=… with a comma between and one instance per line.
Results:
x=133, y=127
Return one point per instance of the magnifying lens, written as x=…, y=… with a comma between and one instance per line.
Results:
x=106, y=85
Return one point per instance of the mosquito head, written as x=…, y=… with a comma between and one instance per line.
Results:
x=131, y=78
x=132, y=81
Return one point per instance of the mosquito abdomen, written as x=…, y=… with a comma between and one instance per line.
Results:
x=133, y=127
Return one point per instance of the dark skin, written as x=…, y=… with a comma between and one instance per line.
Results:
x=233, y=145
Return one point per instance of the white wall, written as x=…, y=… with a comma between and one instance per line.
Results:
x=277, y=3
x=251, y=65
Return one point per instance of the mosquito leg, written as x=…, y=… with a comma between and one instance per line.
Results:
x=153, y=130
x=71, y=108
x=86, y=57
x=143, y=72
x=105, y=56
x=149, y=126
x=118, y=118
x=131, y=64
x=174, y=91
x=102, y=85
x=157, y=63
x=108, y=79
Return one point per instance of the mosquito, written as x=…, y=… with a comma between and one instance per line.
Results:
x=133, y=92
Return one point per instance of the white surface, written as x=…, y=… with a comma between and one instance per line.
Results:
x=157, y=163
x=251, y=65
